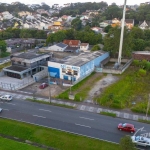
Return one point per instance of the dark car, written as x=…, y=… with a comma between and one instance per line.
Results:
x=43, y=86
x=126, y=127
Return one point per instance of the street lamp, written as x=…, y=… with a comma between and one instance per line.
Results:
x=122, y=33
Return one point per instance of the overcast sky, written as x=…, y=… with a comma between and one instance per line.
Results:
x=61, y=2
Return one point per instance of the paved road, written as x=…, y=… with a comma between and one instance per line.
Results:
x=79, y=122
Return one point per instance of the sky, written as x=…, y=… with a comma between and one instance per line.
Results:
x=61, y=2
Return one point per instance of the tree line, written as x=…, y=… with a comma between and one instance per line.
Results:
x=135, y=39
x=22, y=33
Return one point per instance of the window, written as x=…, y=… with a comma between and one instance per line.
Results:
x=19, y=62
x=25, y=64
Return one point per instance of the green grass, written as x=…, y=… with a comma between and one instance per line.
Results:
x=7, y=144
x=144, y=121
x=129, y=88
x=81, y=89
x=43, y=102
x=5, y=65
x=53, y=138
x=108, y=114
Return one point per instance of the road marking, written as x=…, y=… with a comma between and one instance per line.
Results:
x=39, y=116
x=86, y=118
x=45, y=110
x=91, y=109
x=10, y=103
x=82, y=125
x=6, y=109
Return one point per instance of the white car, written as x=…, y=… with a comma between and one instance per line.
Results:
x=1, y=109
x=6, y=97
x=140, y=140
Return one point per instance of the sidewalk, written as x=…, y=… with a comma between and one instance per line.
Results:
x=84, y=106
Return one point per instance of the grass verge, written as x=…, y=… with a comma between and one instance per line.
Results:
x=43, y=102
x=144, y=121
x=81, y=89
x=7, y=144
x=53, y=138
x=108, y=114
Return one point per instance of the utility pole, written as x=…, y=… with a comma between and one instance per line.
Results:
x=148, y=105
x=49, y=87
x=122, y=33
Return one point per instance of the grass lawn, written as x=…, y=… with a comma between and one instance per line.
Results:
x=7, y=144
x=5, y=54
x=130, y=88
x=53, y=138
x=81, y=89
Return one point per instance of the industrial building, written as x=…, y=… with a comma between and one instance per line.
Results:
x=76, y=67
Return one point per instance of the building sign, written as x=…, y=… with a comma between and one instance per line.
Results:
x=70, y=70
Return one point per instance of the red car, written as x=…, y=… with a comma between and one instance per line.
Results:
x=126, y=127
x=43, y=85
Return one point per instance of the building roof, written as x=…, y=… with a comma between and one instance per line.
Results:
x=69, y=48
x=72, y=42
x=17, y=68
x=62, y=45
x=129, y=20
x=84, y=44
x=81, y=59
x=142, y=52
x=57, y=23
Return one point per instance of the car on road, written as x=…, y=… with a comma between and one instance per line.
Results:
x=1, y=109
x=6, y=97
x=126, y=127
x=140, y=140
x=43, y=86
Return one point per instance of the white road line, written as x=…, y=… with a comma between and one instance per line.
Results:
x=6, y=109
x=45, y=110
x=39, y=116
x=86, y=118
x=82, y=125
x=10, y=103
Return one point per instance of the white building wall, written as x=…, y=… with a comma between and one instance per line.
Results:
x=56, y=48
x=84, y=48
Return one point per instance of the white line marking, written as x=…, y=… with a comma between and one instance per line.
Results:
x=45, y=110
x=10, y=103
x=39, y=116
x=6, y=109
x=82, y=125
x=86, y=118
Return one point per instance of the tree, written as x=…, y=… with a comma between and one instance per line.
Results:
x=76, y=24
x=95, y=47
x=137, y=33
x=106, y=29
x=2, y=47
x=127, y=144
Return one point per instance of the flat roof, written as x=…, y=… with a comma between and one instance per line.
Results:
x=142, y=52
x=80, y=59
x=17, y=68
x=29, y=55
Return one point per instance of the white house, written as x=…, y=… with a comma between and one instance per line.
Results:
x=58, y=47
x=97, y=29
x=144, y=25
x=7, y=15
x=84, y=46
x=103, y=24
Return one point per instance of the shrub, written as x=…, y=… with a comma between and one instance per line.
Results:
x=142, y=72
x=108, y=114
x=116, y=105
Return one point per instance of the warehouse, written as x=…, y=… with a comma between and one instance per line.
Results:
x=76, y=67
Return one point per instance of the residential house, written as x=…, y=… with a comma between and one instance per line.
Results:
x=97, y=29
x=24, y=13
x=144, y=25
x=7, y=15
x=64, y=17
x=84, y=46
x=129, y=23
x=103, y=24
x=115, y=22
x=72, y=43
x=72, y=49
x=58, y=47
x=56, y=25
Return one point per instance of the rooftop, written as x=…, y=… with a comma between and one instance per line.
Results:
x=80, y=59
x=17, y=68
x=142, y=52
